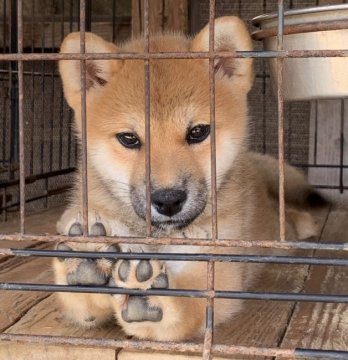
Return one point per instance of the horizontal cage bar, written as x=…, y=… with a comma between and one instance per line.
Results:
x=179, y=293
x=174, y=55
x=297, y=245
x=171, y=346
x=273, y=259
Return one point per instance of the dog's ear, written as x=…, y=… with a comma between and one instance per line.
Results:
x=98, y=72
x=230, y=34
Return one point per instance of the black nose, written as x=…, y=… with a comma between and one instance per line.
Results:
x=169, y=201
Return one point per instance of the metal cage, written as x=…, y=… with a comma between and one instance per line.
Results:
x=18, y=58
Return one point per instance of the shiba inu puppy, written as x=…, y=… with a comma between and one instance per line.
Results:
x=180, y=180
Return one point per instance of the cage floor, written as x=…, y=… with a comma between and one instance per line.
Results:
x=268, y=324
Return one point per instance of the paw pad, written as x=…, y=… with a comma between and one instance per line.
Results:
x=137, y=309
x=97, y=229
x=143, y=271
x=123, y=270
x=87, y=273
x=143, y=274
x=75, y=229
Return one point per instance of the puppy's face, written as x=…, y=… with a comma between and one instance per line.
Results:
x=179, y=126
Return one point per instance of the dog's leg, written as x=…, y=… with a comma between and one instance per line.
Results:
x=157, y=317
x=87, y=310
x=169, y=318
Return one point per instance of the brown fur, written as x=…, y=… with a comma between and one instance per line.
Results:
x=179, y=99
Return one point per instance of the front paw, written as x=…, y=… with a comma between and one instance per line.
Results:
x=139, y=274
x=70, y=223
x=80, y=271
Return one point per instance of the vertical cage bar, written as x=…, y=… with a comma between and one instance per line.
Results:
x=21, y=118
x=43, y=83
x=4, y=107
x=209, y=330
x=147, y=118
x=316, y=132
x=113, y=20
x=52, y=115
x=280, y=101
x=61, y=103
x=264, y=88
x=4, y=21
x=33, y=65
x=51, y=126
x=82, y=18
x=341, y=185
x=70, y=151
x=212, y=119
x=77, y=28
x=13, y=90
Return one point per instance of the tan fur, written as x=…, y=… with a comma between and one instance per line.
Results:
x=79, y=307
x=297, y=188
x=179, y=99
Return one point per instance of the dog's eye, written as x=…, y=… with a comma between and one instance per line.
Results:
x=128, y=140
x=198, y=133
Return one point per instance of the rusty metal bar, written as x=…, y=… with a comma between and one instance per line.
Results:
x=271, y=259
x=21, y=117
x=169, y=346
x=147, y=118
x=209, y=330
x=280, y=27
x=269, y=296
x=214, y=233
x=175, y=55
x=301, y=28
x=83, y=119
x=297, y=245
x=342, y=143
x=280, y=102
